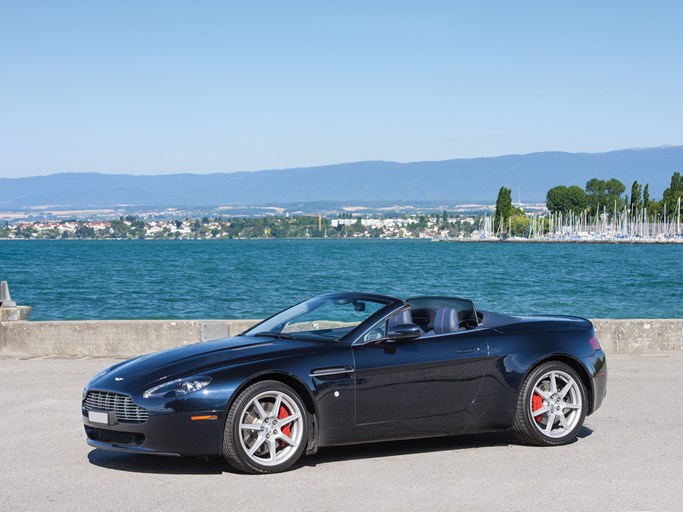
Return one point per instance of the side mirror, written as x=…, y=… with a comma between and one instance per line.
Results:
x=404, y=332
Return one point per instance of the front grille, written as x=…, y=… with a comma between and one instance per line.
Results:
x=123, y=405
x=115, y=437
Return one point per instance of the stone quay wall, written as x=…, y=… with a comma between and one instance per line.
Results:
x=127, y=338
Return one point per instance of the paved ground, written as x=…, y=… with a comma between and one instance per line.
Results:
x=629, y=457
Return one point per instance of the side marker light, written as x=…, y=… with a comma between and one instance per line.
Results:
x=594, y=343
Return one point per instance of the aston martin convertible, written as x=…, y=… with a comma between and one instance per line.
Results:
x=347, y=368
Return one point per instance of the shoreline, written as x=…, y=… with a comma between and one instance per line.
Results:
x=673, y=241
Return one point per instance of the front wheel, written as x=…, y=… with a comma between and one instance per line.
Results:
x=551, y=405
x=266, y=430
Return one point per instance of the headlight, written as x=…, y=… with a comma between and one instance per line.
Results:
x=178, y=387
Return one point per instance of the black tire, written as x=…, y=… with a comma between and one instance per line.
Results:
x=253, y=424
x=538, y=404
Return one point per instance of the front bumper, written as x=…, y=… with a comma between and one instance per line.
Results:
x=174, y=433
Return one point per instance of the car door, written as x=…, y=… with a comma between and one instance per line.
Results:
x=424, y=384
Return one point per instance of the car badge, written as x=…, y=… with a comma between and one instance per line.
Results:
x=118, y=378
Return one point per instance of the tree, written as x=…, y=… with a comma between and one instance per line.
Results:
x=596, y=190
x=566, y=199
x=673, y=194
x=601, y=193
x=83, y=231
x=636, y=193
x=444, y=220
x=519, y=225
x=615, y=189
x=504, y=208
x=646, y=195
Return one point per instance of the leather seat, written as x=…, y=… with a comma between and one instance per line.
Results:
x=446, y=320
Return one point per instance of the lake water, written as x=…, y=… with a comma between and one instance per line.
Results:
x=254, y=278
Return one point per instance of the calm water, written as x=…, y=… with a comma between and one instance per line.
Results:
x=251, y=279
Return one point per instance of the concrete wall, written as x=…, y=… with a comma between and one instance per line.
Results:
x=125, y=338
x=639, y=336
x=111, y=338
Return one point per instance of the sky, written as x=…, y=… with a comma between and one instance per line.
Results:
x=158, y=87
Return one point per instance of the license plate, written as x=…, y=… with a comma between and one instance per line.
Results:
x=99, y=417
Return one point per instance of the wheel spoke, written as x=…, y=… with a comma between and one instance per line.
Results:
x=567, y=388
x=551, y=420
x=563, y=420
x=278, y=402
x=285, y=421
x=271, y=446
x=572, y=406
x=259, y=441
x=553, y=383
x=260, y=410
x=288, y=440
x=541, y=410
x=250, y=426
x=543, y=394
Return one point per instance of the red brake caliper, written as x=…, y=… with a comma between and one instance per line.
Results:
x=536, y=404
x=288, y=427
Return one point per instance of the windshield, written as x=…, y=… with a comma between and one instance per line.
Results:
x=321, y=318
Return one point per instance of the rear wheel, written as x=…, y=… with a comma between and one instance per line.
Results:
x=551, y=405
x=266, y=430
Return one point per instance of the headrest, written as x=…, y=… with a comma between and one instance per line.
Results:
x=446, y=320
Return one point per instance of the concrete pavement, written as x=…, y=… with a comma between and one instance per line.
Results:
x=629, y=457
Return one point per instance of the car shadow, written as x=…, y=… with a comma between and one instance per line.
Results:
x=413, y=446
x=142, y=463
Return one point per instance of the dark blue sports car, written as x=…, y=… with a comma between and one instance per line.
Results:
x=350, y=368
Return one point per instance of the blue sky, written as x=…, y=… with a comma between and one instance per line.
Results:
x=147, y=87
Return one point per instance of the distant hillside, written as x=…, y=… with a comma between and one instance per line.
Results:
x=453, y=181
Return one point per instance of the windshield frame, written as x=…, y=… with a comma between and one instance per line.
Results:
x=270, y=325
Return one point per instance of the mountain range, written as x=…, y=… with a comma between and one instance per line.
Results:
x=473, y=180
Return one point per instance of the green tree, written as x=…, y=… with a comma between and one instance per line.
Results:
x=673, y=194
x=504, y=208
x=83, y=231
x=646, y=195
x=566, y=199
x=519, y=225
x=596, y=191
x=601, y=193
x=444, y=220
x=421, y=224
x=615, y=189
x=636, y=195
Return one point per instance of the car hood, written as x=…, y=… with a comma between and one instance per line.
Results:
x=198, y=358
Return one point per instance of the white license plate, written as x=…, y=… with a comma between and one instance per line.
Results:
x=99, y=417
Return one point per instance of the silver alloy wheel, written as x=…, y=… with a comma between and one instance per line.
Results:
x=555, y=404
x=271, y=428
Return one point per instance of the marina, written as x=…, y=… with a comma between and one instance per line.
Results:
x=618, y=226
